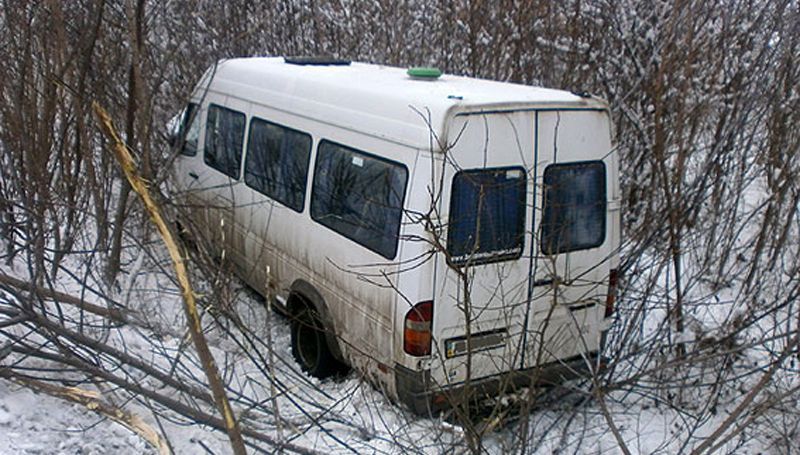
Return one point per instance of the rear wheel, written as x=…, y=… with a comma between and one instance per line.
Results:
x=309, y=345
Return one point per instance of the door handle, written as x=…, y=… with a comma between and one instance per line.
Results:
x=543, y=282
x=193, y=175
x=549, y=281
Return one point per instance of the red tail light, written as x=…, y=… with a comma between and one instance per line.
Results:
x=417, y=329
x=611, y=297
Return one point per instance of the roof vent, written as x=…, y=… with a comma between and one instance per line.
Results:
x=582, y=94
x=317, y=60
x=424, y=72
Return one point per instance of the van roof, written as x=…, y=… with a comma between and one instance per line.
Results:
x=378, y=100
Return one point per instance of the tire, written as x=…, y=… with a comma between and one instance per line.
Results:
x=309, y=346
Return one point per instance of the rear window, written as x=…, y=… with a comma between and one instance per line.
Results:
x=224, y=139
x=277, y=162
x=487, y=215
x=574, y=207
x=359, y=196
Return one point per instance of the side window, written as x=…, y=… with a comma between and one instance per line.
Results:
x=359, y=196
x=189, y=131
x=487, y=215
x=224, y=138
x=574, y=207
x=277, y=162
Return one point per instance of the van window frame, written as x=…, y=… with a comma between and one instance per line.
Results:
x=546, y=243
x=390, y=255
x=237, y=172
x=249, y=154
x=488, y=257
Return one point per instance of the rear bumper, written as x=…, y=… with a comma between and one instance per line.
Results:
x=417, y=391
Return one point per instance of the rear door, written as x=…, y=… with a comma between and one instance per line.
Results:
x=481, y=282
x=572, y=239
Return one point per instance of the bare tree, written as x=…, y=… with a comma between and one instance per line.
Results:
x=705, y=98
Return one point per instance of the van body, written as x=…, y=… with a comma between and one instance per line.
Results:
x=448, y=237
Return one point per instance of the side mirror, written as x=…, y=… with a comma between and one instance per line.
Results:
x=172, y=139
x=174, y=129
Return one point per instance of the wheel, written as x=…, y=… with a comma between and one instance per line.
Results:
x=309, y=346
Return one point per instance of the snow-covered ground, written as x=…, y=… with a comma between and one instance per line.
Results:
x=341, y=415
x=32, y=423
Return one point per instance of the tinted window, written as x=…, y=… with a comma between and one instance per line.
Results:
x=359, y=196
x=487, y=215
x=277, y=162
x=224, y=138
x=574, y=207
x=189, y=131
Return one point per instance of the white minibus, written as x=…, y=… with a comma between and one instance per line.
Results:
x=447, y=237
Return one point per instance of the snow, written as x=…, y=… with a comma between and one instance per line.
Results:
x=343, y=415
x=33, y=423
x=334, y=416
